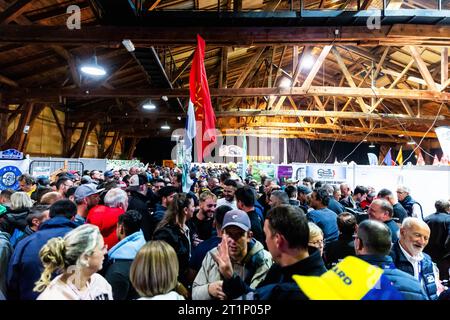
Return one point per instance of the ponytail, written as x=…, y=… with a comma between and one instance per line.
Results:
x=52, y=257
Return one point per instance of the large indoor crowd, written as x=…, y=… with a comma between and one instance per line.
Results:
x=134, y=234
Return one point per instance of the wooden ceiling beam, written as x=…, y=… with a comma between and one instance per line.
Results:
x=423, y=68
x=90, y=93
x=348, y=77
x=14, y=10
x=322, y=114
x=338, y=127
x=222, y=36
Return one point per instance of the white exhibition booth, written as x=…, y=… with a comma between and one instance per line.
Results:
x=427, y=183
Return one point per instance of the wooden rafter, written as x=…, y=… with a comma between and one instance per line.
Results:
x=423, y=68
x=316, y=67
x=14, y=10
x=52, y=93
x=348, y=77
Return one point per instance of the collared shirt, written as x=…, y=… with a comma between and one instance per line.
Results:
x=223, y=201
x=415, y=261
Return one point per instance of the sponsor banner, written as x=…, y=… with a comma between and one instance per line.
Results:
x=10, y=170
x=443, y=134
x=263, y=169
x=41, y=172
x=231, y=151
x=284, y=172
x=11, y=154
x=331, y=174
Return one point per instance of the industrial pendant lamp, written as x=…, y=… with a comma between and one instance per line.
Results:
x=93, y=69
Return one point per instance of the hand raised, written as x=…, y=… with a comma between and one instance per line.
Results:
x=222, y=258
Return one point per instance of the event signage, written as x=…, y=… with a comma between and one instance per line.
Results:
x=11, y=154
x=327, y=174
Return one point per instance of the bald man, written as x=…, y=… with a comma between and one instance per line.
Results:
x=408, y=256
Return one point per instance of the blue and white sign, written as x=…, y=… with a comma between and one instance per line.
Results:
x=326, y=173
x=10, y=170
x=11, y=154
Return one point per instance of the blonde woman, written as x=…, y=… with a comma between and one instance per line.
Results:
x=154, y=272
x=15, y=220
x=78, y=256
x=316, y=237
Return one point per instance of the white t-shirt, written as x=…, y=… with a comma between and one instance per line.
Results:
x=223, y=201
x=172, y=295
x=97, y=289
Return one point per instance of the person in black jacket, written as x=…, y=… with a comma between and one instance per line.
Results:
x=287, y=236
x=372, y=244
x=151, y=220
x=174, y=231
x=245, y=198
x=439, y=224
x=344, y=246
x=399, y=212
x=121, y=256
x=137, y=190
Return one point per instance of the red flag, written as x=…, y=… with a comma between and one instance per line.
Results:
x=201, y=99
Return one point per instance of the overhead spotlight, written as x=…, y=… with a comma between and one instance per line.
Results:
x=285, y=83
x=401, y=135
x=307, y=62
x=365, y=140
x=165, y=98
x=148, y=106
x=93, y=69
x=412, y=142
x=165, y=126
x=179, y=118
x=371, y=145
x=128, y=44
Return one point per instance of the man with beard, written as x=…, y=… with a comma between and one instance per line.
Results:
x=408, y=256
x=229, y=190
x=87, y=196
x=63, y=185
x=201, y=224
x=247, y=257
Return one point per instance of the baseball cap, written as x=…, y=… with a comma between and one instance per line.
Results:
x=108, y=174
x=137, y=180
x=304, y=189
x=86, y=190
x=351, y=279
x=237, y=218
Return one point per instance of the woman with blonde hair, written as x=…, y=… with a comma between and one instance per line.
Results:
x=14, y=221
x=154, y=272
x=78, y=256
x=316, y=237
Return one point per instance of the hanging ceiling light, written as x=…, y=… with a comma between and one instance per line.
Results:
x=165, y=126
x=148, y=105
x=307, y=62
x=371, y=145
x=285, y=83
x=93, y=69
x=412, y=142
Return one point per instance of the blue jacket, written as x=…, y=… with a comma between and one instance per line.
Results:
x=327, y=221
x=427, y=274
x=402, y=281
x=25, y=267
x=128, y=247
x=117, y=268
x=408, y=204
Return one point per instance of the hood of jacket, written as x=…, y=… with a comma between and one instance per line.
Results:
x=57, y=222
x=128, y=247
